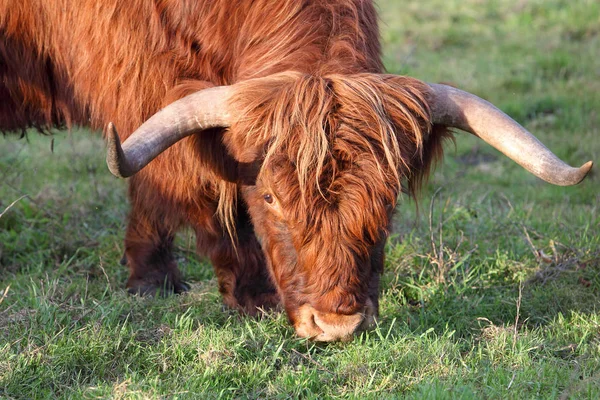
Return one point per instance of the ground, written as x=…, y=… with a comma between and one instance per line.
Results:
x=491, y=288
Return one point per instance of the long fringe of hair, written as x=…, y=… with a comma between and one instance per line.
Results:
x=384, y=117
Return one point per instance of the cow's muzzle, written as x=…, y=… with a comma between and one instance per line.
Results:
x=330, y=327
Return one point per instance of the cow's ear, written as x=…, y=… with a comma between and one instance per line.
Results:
x=215, y=147
x=211, y=152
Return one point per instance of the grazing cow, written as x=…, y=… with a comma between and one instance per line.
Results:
x=281, y=141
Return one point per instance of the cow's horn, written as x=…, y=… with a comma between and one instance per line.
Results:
x=459, y=109
x=198, y=111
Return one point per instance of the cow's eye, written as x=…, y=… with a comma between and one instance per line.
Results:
x=268, y=198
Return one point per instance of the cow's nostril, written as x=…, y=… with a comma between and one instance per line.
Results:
x=305, y=324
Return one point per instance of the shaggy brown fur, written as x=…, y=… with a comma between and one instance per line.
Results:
x=335, y=136
x=342, y=145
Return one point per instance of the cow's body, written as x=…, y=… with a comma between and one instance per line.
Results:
x=332, y=137
x=88, y=62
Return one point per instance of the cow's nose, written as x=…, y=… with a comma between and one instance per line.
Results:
x=330, y=327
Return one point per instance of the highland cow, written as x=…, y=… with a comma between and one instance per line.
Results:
x=282, y=142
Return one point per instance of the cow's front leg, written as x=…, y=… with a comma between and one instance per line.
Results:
x=242, y=275
x=149, y=245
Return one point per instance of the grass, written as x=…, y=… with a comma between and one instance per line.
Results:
x=491, y=290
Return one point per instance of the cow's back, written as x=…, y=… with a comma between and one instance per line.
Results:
x=88, y=61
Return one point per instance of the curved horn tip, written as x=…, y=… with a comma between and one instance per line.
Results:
x=114, y=153
x=584, y=170
x=567, y=176
x=572, y=177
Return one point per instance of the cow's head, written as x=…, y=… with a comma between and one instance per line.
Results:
x=321, y=161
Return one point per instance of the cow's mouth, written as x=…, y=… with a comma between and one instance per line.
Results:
x=330, y=327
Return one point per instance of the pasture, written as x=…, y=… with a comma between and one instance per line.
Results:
x=492, y=283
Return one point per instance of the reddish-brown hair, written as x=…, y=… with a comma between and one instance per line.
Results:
x=336, y=147
x=315, y=109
